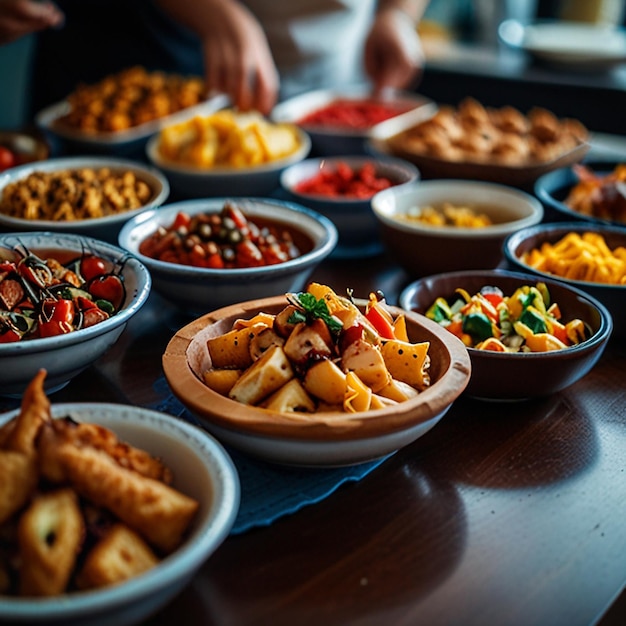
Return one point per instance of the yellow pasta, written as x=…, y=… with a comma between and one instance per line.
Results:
x=584, y=257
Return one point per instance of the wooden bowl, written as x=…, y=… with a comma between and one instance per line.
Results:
x=323, y=439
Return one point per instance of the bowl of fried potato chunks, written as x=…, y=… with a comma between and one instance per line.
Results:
x=107, y=510
x=314, y=378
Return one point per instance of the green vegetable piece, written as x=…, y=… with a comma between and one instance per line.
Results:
x=439, y=311
x=477, y=326
x=532, y=318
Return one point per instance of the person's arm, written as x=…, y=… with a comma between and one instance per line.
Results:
x=393, y=53
x=23, y=17
x=237, y=57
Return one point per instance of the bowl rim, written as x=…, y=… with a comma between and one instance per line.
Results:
x=199, y=205
x=144, y=284
x=382, y=162
x=455, y=232
x=553, y=231
x=321, y=427
x=155, y=178
x=600, y=337
x=198, y=172
x=186, y=558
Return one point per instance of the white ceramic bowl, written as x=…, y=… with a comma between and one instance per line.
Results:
x=197, y=182
x=130, y=142
x=202, y=470
x=329, y=140
x=353, y=217
x=105, y=228
x=196, y=290
x=422, y=249
x=321, y=439
x=65, y=356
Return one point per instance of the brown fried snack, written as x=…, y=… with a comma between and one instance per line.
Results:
x=86, y=435
x=50, y=536
x=121, y=554
x=18, y=457
x=155, y=510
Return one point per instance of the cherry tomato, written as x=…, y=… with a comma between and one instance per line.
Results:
x=53, y=328
x=9, y=336
x=109, y=288
x=7, y=158
x=59, y=311
x=92, y=266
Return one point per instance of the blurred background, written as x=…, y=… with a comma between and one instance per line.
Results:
x=447, y=24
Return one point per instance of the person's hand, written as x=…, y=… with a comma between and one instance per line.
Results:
x=237, y=56
x=23, y=17
x=393, y=53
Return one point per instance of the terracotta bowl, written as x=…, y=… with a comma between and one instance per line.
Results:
x=323, y=439
x=612, y=296
x=517, y=376
x=423, y=249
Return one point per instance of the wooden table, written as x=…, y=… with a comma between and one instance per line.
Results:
x=505, y=514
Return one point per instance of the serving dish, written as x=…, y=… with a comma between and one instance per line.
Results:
x=554, y=187
x=128, y=143
x=66, y=355
x=424, y=249
x=319, y=439
x=514, y=376
x=352, y=215
x=238, y=181
x=575, y=46
x=613, y=296
x=196, y=290
x=105, y=228
x=471, y=141
x=202, y=469
x=341, y=140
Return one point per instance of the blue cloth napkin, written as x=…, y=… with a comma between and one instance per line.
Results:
x=268, y=491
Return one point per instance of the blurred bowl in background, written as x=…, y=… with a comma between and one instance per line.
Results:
x=600, y=197
x=129, y=143
x=514, y=376
x=196, y=290
x=424, y=249
x=613, y=296
x=353, y=216
x=345, y=129
x=189, y=182
x=106, y=227
x=23, y=147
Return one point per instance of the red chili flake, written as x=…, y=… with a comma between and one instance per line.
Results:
x=344, y=181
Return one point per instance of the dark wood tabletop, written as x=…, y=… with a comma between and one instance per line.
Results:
x=503, y=514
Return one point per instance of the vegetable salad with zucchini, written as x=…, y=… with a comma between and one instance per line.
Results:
x=321, y=352
x=526, y=321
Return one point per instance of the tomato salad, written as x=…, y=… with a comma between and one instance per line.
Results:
x=526, y=321
x=42, y=297
x=227, y=239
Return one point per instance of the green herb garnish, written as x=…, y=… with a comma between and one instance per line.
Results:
x=312, y=308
